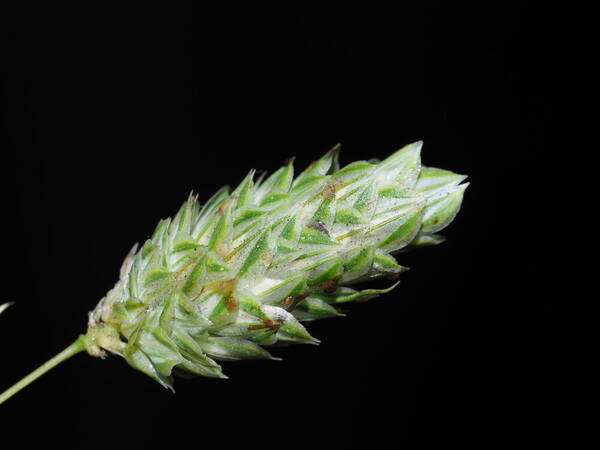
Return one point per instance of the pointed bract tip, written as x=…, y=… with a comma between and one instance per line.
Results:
x=290, y=161
x=262, y=173
x=386, y=290
x=461, y=188
x=416, y=146
x=410, y=151
x=460, y=177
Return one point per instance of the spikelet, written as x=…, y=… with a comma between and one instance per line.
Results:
x=224, y=281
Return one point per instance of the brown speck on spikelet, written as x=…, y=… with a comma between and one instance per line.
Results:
x=329, y=286
x=331, y=189
x=266, y=323
x=319, y=226
x=231, y=303
x=266, y=258
x=222, y=250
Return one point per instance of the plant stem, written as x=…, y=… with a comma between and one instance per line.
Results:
x=76, y=347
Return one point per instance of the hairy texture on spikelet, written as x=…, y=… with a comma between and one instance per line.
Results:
x=222, y=281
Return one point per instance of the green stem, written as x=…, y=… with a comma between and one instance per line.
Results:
x=71, y=350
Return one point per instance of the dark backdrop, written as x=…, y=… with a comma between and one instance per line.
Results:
x=112, y=116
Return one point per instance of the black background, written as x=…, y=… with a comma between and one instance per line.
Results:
x=112, y=116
